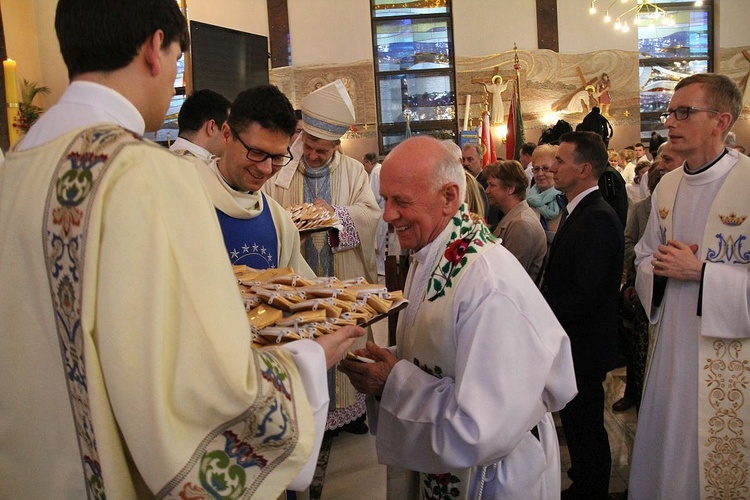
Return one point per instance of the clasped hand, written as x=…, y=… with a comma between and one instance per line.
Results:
x=677, y=260
x=369, y=378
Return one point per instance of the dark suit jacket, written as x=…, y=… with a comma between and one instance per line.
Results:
x=582, y=280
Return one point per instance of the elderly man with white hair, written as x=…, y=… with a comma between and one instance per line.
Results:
x=463, y=400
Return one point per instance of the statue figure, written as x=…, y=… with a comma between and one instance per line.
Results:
x=496, y=89
x=604, y=96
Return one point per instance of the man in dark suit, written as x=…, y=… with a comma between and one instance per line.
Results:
x=581, y=284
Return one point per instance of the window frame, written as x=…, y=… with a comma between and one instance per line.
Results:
x=436, y=128
x=649, y=120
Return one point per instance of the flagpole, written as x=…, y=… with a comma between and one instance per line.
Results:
x=466, y=111
x=518, y=135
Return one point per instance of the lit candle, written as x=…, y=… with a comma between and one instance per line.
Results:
x=11, y=89
x=11, y=98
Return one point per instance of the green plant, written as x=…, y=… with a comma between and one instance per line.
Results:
x=28, y=111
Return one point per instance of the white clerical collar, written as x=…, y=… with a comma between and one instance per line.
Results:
x=182, y=144
x=237, y=204
x=109, y=101
x=689, y=171
x=83, y=104
x=572, y=204
x=713, y=170
x=424, y=253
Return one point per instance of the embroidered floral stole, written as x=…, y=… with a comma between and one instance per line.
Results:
x=723, y=361
x=69, y=199
x=234, y=460
x=469, y=233
x=430, y=342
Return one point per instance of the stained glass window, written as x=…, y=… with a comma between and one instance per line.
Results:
x=671, y=47
x=414, y=70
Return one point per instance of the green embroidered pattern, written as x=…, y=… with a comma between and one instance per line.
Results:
x=469, y=232
x=237, y=456
x=221, y=476
x=70, y=198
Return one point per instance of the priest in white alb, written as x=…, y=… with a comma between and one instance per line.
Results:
x=693, y=281
x=255, y=139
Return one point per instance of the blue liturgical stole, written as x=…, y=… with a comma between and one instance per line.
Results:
x=252, y=242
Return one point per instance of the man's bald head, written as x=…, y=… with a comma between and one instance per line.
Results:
x=423, y=185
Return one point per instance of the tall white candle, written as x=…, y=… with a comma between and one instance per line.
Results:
x=466, y=111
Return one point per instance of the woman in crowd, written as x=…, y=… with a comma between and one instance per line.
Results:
x=542, y=196
x=627, y=165
x=614, y=161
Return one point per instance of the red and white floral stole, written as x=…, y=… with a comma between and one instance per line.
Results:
x=469, y=232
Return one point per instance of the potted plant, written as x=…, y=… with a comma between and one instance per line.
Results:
x=28, y=111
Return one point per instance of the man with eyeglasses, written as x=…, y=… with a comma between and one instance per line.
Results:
x=693, y=279
x=127, y=369
x=257, y=231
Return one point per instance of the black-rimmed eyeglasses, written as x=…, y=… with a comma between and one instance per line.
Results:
x=683, y=112
x=259, y=156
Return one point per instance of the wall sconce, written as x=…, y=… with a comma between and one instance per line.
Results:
x=500, y=131
x=550, y=119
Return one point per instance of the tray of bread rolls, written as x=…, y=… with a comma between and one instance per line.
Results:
x=283, y=306
x=311, y=218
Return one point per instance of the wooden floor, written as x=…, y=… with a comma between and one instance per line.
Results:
x=353, y=470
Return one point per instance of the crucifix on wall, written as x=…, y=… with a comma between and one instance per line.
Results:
x=493, y=88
